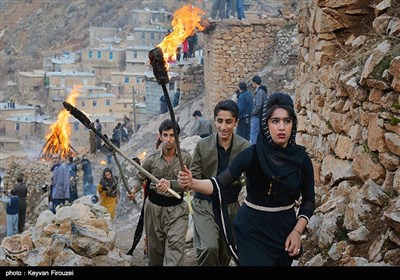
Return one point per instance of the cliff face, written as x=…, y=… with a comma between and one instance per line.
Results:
x=347, y=96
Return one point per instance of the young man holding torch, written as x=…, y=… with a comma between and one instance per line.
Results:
x=166, y=217
x=211, y=157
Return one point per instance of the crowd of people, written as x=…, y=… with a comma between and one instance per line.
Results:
x=277, y=173
x=275, y=170
x=224, y=9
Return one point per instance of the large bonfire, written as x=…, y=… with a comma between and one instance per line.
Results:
x=58, y=138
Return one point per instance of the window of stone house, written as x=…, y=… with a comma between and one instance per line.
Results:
x=152, y=35
x=138, y=80
x=143, y=35
x=99, y=54
x=94, y=103
x=90, y=54
x=110, y=111
x=110, y=56
x=108, y=102
x=171, y=85
x=135, y=54
x=76, y=126
x=83, y=104
x=126, y=80
x=17, y=127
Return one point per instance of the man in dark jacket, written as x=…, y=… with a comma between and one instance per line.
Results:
x=163, y=105
x=21, y=191
x=260, y=96
x=245, y=105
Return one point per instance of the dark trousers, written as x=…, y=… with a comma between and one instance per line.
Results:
x=243, y=128
x=56, y=202
x=21, y=214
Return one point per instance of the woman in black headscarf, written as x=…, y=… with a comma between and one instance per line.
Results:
x=108, y=191
x=267, y=229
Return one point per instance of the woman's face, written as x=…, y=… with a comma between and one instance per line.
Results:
x=108, y=175
x=280, y=126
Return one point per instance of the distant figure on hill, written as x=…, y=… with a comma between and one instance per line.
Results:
x=12, y=211
x=21, y=191
x=177, y=97
x=89, y=188
x=163, y=105
x=202, y=127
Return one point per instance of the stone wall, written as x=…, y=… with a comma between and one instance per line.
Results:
x=192, y=82
x=347, y=99
x=234, y=51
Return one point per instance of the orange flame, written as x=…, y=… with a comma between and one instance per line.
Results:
x=103, y=162
x=142, y=155
x=60, y=131
x=185, y=21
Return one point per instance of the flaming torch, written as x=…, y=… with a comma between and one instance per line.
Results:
x=80, y=116
x=185, y=21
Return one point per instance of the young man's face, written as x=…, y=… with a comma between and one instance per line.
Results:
x=168, y=139
x=225, y=123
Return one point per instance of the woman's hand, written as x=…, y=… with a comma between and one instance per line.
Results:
x=293, y=243
x=163, y=185
x=185, y=178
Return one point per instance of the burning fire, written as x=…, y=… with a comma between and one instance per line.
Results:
x=185, y=21
x=60, y=131
x=142, y=155
x=103, y=162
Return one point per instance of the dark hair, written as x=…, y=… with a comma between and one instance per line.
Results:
x=107, y=169
x=20, y=179
x=197, y=113
x=71, y=158
x=167, y=125
x=227, y=105
x=257, y=80
x=13, y=192
x=97, y=120
x=280, y=100
x=243, y=86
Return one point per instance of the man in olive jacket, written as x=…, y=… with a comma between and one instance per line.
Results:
x=212, y=155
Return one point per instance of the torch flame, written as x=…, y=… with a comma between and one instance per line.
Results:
x=60, y=131
x=142, y=155
x=185, y=21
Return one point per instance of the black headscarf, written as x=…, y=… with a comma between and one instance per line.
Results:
x=109, y=185
x=282, y=165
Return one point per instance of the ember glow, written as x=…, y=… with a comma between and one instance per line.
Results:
x=57, y=140
x=184, y=24
x=142, y=156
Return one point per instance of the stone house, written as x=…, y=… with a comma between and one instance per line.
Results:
x=60, y=83
x=149, y=17
x=102, y=62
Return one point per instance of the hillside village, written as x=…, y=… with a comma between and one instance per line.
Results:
x=345, y=80
x=113, y=74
